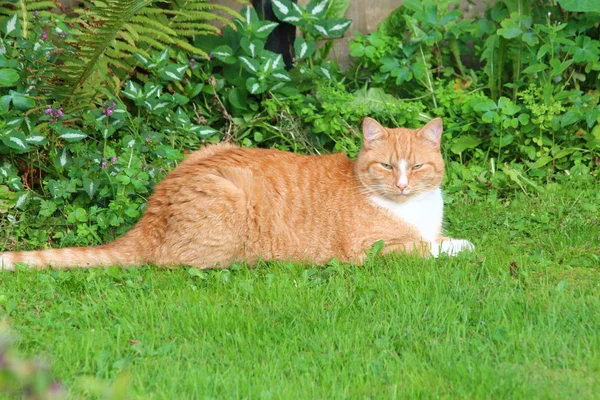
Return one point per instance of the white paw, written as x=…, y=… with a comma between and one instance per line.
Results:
x=451, y=247
x=5, y=265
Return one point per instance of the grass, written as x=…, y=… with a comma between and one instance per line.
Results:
x=518, y=318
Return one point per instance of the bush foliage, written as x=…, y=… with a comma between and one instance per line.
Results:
x=518, y=89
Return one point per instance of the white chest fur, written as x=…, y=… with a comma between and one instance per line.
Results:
x=424, y=211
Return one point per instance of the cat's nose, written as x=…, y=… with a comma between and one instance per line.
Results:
x=401, y=185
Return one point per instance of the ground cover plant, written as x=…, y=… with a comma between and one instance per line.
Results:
x=81, y=149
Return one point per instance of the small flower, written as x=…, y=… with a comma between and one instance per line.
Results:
x=103, y=166
x=108, y=111
x=59, y=112
x=192, y=63
x=51, y=119
x=36, y=14
x=148, y=138
x=44, y=36
x=210, y=56
x=549, y=13
x=114, y=159
x=48, y=110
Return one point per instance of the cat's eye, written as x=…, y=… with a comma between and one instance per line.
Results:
x=417, y=166
x=386, y=166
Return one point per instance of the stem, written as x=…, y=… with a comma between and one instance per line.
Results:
x=428, y=78
x=24, y=13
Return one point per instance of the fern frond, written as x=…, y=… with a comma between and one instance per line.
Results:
x=191, y=49
x=106, y=34
x=125, y=49
x=199, y=27
x=158, y=35
x=39, y=5
x=140, y=19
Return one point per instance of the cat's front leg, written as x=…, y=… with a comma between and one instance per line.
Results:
x=450, y=246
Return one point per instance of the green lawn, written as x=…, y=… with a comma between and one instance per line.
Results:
x=518, y=318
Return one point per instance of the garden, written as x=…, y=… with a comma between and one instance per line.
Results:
x=99, y=102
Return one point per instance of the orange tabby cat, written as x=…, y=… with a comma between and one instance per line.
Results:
x=226, y=204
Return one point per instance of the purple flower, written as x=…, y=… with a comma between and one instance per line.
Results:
x=59, y=112
x=48, y=110
x=103, y=163
x=44, y=36
x=210, y=55
x=108, y=111
x=114, y=159
x=36, y=14
x=148, y=138
x=192, y=63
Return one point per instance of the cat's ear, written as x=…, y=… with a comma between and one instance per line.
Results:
x=432, y=131
x=372, y=132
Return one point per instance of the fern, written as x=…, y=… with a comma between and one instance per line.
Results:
x=106, y=34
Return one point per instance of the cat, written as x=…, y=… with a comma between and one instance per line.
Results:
x=227, y=204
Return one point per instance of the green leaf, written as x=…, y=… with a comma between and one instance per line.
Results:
x=203, y=131
x=570, y=118
x=16, y=140
x=303, y=48
x=255, y=87
x=490, y=116
x=173, y=72
x=11, y=26
x=375, y=250
x=250, y=16
x=224, y=54
x=77, y=215
x=265, y=28
x=145, y=61
x=337, y=8
x=8, y=77
x=252, y=48
x=317, y=7
x=132, y=90
x=485, y=104
x=63, y=159
x=249, y=64
x=22, y=200
x=288, y=12
x=21, y=102
x=543, y=160
x=463, y=143
x=510, y=29
x=238, y=98
x=535, y=68
x=72, y=135
x=90, y=186
x=332, y=27
x=413, y=5
x=282, y=76
x=580, y=5
x=47, y=208
x=37, y=139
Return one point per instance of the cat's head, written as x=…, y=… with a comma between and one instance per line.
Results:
x=396, y=164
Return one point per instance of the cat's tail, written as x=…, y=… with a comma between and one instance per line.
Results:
x=124, y=251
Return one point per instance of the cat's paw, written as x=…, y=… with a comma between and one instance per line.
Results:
x=5, y=265
x=451, y=247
